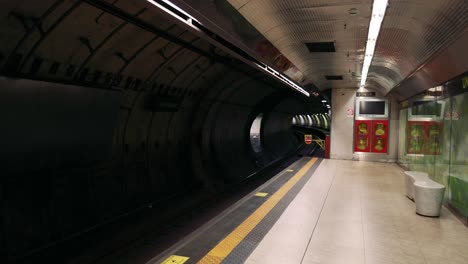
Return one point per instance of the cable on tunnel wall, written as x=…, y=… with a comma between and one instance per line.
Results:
x=44, y=34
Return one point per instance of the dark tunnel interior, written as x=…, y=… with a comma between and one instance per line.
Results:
x=102, y=115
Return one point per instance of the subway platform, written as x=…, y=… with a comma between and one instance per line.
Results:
x=326, y=211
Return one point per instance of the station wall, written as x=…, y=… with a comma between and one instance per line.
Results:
x=76, y=157
x=341, y=145
x=443, y=154
x=342, y=135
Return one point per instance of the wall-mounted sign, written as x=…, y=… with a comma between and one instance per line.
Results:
x=426, y=109
x=371, y=108
x=447, y=115
x=434, y=93
x=350, y=112
x=365, y=94
x=451, y=115
x=379, y=136
x=362, y=136
x=308, y=139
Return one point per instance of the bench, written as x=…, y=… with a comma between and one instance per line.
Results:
x=428, y=196
x=411, y=177
x=426, y=193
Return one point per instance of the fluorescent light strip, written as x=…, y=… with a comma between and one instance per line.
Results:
x=173, y=14
x=189, y=21
x=378, y=12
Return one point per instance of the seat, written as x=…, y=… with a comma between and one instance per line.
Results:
x=411, y=177
x=428, y=196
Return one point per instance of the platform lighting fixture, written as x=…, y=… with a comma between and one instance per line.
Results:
x=176, y=12
x=166, y=6
x=435, y=89
x=324, y=101
x=378, y=12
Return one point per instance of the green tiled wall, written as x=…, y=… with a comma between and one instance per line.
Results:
x=450, y=167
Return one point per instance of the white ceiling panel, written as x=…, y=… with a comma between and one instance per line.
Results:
x=412, y=31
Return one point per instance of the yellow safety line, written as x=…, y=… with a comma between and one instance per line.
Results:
x=224, y=248
x=174, y=259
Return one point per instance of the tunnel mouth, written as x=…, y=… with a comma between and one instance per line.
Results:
x=255, y=134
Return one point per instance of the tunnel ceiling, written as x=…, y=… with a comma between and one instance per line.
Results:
x=74, y=41
x=122, y=45
x=412, y=31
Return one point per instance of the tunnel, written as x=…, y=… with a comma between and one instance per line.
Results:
x=105, y=114
x=113, y=108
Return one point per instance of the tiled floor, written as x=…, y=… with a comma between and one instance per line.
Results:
x=356, y=212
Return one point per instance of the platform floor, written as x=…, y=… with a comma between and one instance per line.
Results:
x=327, y=211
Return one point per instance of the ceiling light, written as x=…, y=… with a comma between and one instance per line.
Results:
x=370, y=47
x=324, y=101
x=175, y=11
x=374, y=28
x=378, y=12
x=435, y=89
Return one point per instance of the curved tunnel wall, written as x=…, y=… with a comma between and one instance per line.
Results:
x=121, y=118
x=79, y=157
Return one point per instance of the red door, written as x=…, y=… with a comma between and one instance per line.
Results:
x=362, y=130
x=433, y=131
x=379, y=136
x=416, y=137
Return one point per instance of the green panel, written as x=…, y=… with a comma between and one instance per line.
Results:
x=459, y=194
x=442, y=161
x=458, y=185
x=402, y=158
x=450, y=166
